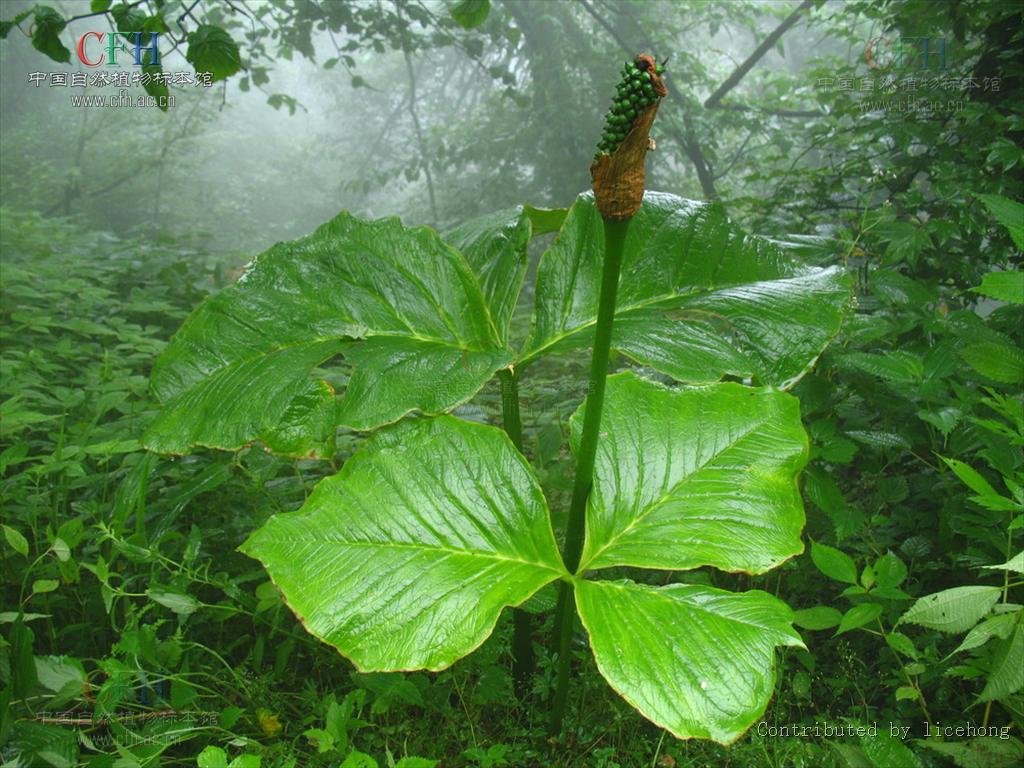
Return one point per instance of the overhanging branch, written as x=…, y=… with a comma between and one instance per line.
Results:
x=766, y=45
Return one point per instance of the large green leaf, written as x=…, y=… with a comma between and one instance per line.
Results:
x=703, y=476
x=405, y=558
x=495, y=247
x=401, y=305
x=698, y=299
x=695, y=660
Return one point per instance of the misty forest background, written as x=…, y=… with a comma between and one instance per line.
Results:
x=116, y=222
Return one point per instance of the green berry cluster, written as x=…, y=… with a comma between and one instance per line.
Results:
x=634, y=94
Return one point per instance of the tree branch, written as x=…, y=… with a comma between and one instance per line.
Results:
x=416, y=120
x=766, y=45
x=609, y=28
x=700, y=163
x=99, y=13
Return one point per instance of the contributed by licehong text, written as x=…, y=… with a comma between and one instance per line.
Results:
x=917, y=730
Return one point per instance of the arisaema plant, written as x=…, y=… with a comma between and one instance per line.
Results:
x=406, y=558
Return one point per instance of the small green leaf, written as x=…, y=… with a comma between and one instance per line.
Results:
x=899, y=366
x=9, y=617
x=99, y=6
x=986, y=495
x=40, y=744
x=1015, y=564
x=61, y=550
x=833, y=563
x=129, y=20
x=18, y=542
x=867, y=577
x=1008, y=213
x=886, y=751
x=858, y=616
x=471, y=13
x=952, y=610
x=980, y=752
x=180, y=603
x=994, y=626
x=901, y=644
x=42, y=586
x=182, y=693
x=817, y=618
x=1006, y=676
x=995, y=360
x=211, y=49
x=1004, y=286
x=155, y=87
x=321, y=739
x=212, y=757
x=7, y=26
x=229, y=716
x=46, y=34
x=890, y=593
x=890, y=571
x=156, y=24
x=357, y=759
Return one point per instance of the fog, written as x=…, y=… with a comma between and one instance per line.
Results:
x=507, y=113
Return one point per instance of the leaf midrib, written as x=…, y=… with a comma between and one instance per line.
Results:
x=237, y=363
x=668, y=493
x=666, y=597
x=430, y=548
x=698, y=293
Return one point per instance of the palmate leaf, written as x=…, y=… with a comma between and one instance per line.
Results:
x=698, y=299
x=703, y=476
x=401, y=305
x=695, y=660
x=405, y=558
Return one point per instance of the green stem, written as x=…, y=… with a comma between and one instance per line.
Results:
x=565, y=612
x=523, y=662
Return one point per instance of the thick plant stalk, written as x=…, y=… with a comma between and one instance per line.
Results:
x=617, y=174
x=565, y=616
x=523, y=661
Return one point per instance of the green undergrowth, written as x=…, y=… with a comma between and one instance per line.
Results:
x=145, y=639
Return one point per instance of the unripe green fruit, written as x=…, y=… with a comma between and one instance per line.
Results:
x=633, y=94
